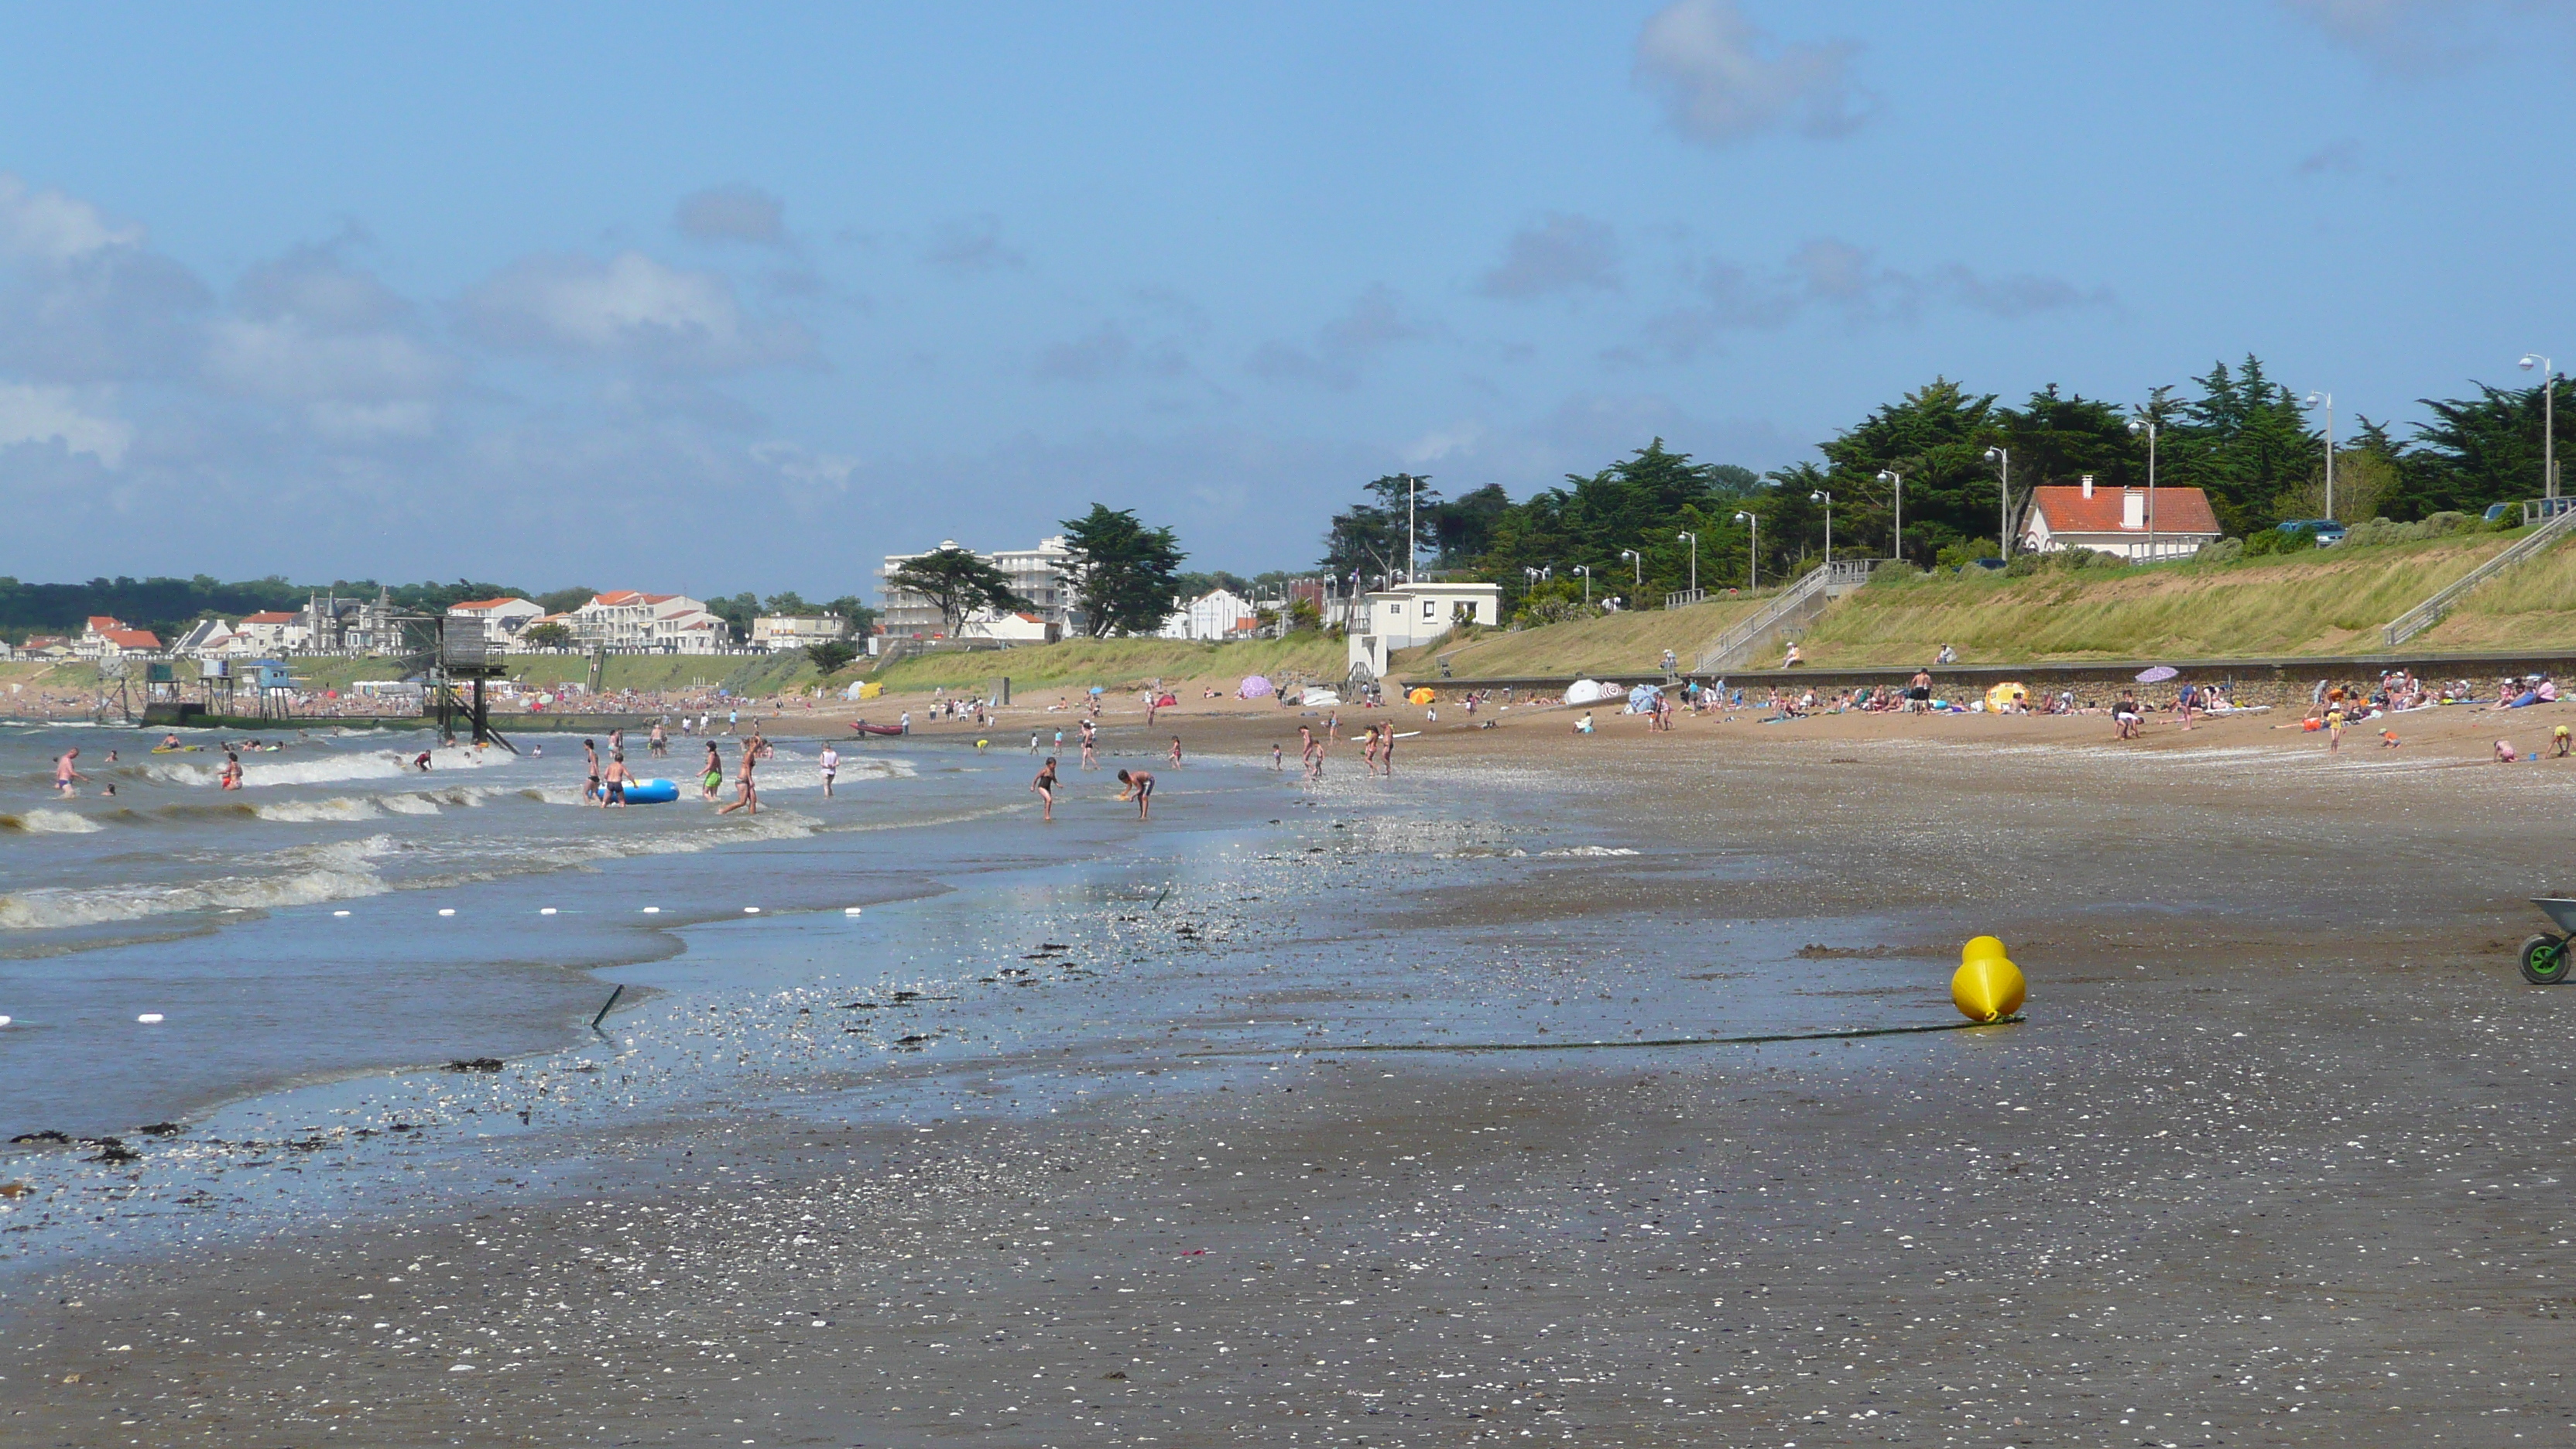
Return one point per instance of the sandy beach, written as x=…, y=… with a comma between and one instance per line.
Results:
x=2268, y=1161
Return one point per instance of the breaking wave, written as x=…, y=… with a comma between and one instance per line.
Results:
x=308, y=875
x=50, y=822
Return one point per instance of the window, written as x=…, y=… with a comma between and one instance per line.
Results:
x=1429, y=609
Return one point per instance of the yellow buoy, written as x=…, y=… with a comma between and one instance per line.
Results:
x=1987, y=985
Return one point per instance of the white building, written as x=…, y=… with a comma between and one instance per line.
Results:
x=796, y=631
x=2115, y=520
x=275, y=631
x=1217, y=614
x=629, y=621
x=1414, y=614
x=205, y=639
x=111, y=638
x=1039, y=575
x=502, y=619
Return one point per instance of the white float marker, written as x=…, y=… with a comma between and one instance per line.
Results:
x=150, y=1018
x=339, y=913
x=4, y=1021
x=447, y=910
x=751, y=910
x=546, y=911
x=652, y=910
x=850, y=910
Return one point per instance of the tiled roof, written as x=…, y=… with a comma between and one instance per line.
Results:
x=271, y=617
x=2178, y=510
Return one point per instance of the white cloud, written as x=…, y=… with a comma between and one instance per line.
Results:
x=1456, y=440
x=31, y=414
x=1558, y=254
x=1377, y=320
x=732, y=213
x=2422, y=37
x=629, y=308
x=1723, y=80
x=50, y=226
x=1837, y=277
x=972, y=246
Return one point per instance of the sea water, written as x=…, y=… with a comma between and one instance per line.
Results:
x=346, y=910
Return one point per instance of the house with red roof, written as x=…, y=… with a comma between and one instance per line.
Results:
x=108, y=637
x=2134, y=523
x=271, y=632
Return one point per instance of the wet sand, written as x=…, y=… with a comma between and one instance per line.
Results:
x=2275, y=1158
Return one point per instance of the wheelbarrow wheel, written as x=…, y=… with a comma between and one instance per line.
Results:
x=2545, y=960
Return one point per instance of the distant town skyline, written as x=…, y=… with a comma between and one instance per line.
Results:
x=723, y=301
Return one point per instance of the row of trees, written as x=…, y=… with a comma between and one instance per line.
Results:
x=2253, y=446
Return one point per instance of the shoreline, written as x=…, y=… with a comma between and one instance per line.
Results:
x=1301, y=1245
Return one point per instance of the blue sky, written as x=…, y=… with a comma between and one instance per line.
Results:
x=721, y=299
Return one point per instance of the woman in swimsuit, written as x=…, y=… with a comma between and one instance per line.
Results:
x=1044, y=785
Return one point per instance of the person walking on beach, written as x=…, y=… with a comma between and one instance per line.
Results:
x=713, y=776
x=1368, y=752
x=1274, y=755
x=65, y=772
x=659, y=743
x=1044, y=786
x=1386, y=752
x=1176, y=752
x=2334, y=731
x=590, y=792
x=1140, y=788
x=617, y=779
x=749, y=798
x=1033, y=742
x=1090, y=743
x=830, y=764
x=2124, y=713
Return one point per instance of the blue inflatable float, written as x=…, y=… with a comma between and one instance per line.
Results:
x=652, y=792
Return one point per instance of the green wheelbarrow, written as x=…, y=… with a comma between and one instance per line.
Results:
x=2548, y=960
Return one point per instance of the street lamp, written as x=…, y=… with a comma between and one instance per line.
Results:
x=2328, y=399
x=1826, y=499
x=1753, y=549
x=1636, y=569
x=1586, y=571
x=2548, y=422
x=1694, y=543
x=2148, y=427
x=1890, y=475
x=2002, y=459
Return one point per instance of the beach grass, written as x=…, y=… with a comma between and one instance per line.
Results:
x=1612, y=644
x=2329, y=602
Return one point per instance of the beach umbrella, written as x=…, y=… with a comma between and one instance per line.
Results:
x=1421, y=694
x=1095, y=689
x=2159, y=674
x=1254, y=687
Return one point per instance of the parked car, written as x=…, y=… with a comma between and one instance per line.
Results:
x=2328, y=532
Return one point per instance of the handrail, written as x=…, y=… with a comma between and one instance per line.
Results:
x=1817, y=580
x=2432, y=611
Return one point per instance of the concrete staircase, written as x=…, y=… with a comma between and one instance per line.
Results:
x=1793, y=610
x=2430, y=612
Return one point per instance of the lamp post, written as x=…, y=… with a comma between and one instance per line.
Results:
x=1752, y=550
x=2002, y=459
x=1586, y=571
x=1827, y=499
x=2548, y=422
x=1412, y=544
x=1694, y=543
x=2328, y=399
x=1636, y=569
x=2148, y=427
x=1890, y=475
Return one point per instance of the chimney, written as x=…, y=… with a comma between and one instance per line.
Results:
x=2088, y=485
x=2133, y=508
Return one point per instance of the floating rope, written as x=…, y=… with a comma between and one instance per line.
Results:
x=1579, y=1046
